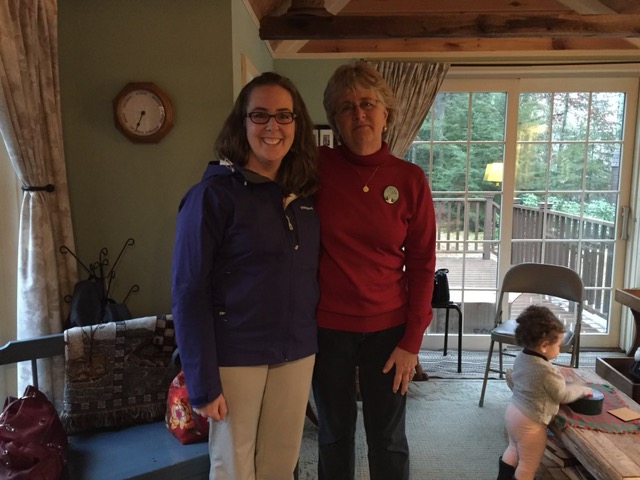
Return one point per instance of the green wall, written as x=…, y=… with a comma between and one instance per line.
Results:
x=119, y=189
x=310, y=76
x=247, y=43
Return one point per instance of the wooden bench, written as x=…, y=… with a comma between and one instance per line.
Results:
x=141, y=452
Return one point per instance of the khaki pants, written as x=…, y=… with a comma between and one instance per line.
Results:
x=261, y=435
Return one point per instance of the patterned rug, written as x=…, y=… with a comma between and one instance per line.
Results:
x=473, y=362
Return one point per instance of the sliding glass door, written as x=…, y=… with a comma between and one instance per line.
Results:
x=529, y=170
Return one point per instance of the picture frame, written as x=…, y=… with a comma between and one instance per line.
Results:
x=324, y=136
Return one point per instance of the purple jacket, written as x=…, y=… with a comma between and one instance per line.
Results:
x=243, y=282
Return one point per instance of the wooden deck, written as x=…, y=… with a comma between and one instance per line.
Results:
x=479, y=295
x=478, y=273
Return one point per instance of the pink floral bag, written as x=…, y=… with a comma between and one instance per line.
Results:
x=180, y=419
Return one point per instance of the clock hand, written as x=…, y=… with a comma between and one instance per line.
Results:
x=139, y=120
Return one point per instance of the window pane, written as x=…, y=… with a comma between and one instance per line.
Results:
x=598, y=229
x=449, y=167
x=531, y=166
x=484, y=224
x=450, y=212
x=566, y=166
x=607, y=110
x=601, y=206
x=481, y=155
x=451, y=117
x=488, y=116
x=522, y=252
x=603, y=166
x=534, y=117
x=570, y=116
x=563, y=218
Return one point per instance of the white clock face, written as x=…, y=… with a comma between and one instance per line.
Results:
x=142, y=112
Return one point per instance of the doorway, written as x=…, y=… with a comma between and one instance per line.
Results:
x=535, y=170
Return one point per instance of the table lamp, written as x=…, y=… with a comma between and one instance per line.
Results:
x=493, y=173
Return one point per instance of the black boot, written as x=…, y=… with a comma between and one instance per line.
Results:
x=506, y=471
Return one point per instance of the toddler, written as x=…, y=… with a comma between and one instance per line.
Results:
x=538, y=390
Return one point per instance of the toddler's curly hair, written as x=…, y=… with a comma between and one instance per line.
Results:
x=536, y=324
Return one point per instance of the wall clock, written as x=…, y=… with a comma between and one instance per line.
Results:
x=143, y=112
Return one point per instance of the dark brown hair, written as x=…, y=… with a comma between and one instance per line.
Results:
x=298, y=172
x=537, y=324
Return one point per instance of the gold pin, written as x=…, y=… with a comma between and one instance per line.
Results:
x=391, y=194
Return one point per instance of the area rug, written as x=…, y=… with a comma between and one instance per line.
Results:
x=450, y=437
x=436, y=365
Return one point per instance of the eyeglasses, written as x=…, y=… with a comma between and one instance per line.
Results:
x=365, y=105
x=260, y=118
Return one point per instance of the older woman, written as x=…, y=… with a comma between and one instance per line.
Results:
x=376, y=277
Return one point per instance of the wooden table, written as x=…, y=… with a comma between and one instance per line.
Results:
x=607, y=456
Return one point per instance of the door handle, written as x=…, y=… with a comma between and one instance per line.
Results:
x=625, y=212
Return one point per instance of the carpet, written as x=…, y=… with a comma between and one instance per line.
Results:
x=473, y=362
x=450, y=437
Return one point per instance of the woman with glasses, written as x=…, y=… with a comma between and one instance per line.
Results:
x=244, y=286
x=376, y=278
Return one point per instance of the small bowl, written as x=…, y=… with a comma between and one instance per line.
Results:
x=589, y=406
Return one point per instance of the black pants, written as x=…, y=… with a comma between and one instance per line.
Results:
x=334, y=390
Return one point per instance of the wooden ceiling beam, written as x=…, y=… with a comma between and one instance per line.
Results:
x=464, y=45
x=462, y=25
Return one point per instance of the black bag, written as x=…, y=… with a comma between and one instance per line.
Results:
x=87, y=303
x=90, y=307
x=440, y=296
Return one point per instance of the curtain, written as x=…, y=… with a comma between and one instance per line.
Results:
x=30, y=122
x=415, y=85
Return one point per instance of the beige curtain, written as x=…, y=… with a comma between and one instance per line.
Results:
x=30, y=123
x=415, y=85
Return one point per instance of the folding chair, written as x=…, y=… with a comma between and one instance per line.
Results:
x=543, y=279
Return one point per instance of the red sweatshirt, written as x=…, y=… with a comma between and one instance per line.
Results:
x=377, y=257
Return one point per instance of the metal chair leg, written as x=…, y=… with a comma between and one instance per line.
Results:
x=459, y=338
x=446, y=331
x=486, y=374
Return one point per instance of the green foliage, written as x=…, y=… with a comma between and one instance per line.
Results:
x=465, y=131
x=598, y=209
x=565, y=206
x=601, y=209
x=529, y=200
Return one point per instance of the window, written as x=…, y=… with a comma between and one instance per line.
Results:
x=529, y=170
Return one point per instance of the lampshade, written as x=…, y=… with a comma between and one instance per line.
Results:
x=493, y=173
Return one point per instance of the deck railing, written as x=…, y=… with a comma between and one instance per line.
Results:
x=583, y=244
